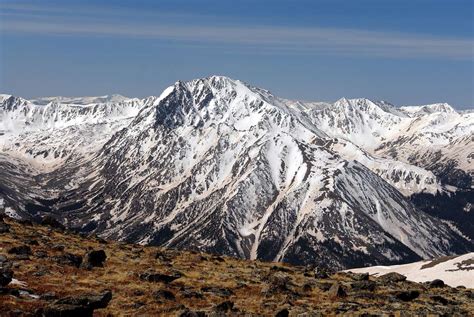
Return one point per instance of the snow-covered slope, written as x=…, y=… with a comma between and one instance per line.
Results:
x=453, y=270
x=220, y=166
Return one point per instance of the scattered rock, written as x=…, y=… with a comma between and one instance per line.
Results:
x=224, y=306
x=41, y=254
x=93, y=301
x=191, y=313
x=162, y=256
x=23, y=249
x=9, y=291
x=4, y=228
x=278, y=283
x=94, y=258
x=391, y=277
x=49, y=296
x=31, y=242
x=218, y=258
x=436, y=283
x=58, y=247
x=407, y=296
x=276, y=268
x=363, y=285
x=336, y=291
x=442, y=300
x=307, y=288
x=6, y=276
x=159, y=277
x=358, y=276
x=21, y=257
x=317, y=272
x=164, y=294
x=52, y=222
x=138, y=292
x=326, y=286
x=283, y=313
x=63, y=310
x=224, y=292
x=68, y=259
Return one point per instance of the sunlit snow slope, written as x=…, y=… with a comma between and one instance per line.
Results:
x=217, y=165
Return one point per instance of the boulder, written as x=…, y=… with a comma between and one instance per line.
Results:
x=6, y=276
x=52, y=222
x=391, y=277
x=191, y=313
x=92, y=301
x=224, y=306
x=68, y=259
x=218, y=291
x=94, y=258
x=363, y=286
x=358, y=276
x=22, y=249
x=436, y=283
x=4, y=228
x=282, y=313
x=63, y=310
x=164, y=294
x=159, y=277
x=336, y=291
x=407, y=296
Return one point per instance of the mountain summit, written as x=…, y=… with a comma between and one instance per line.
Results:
x=217, y=165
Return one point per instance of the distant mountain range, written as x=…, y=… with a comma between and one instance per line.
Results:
x=219, y=166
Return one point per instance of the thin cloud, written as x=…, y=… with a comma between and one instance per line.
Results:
x=272, y=39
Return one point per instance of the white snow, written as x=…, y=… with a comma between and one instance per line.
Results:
x=452, y=271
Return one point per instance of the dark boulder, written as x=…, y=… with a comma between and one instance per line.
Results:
x=224, y=306
x=407, y=296
x=358, y=276
x=68, y=259
x=164, y=294
x=159, y=277
x=92, y=301
x=283, y=313
x=66, y=310
x=336, y=291
x=4, y=228
x=94, y=258
x=218, y=291
x=436, y=283
x=23, y=249
x=41, y=254
x=391, y=277
x=52, y=222
x=363, y=286
x=6, y=276
x=191, y=313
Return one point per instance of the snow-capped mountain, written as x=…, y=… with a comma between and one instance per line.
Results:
x=217, y=165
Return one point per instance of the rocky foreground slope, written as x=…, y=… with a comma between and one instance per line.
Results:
x=46, y=271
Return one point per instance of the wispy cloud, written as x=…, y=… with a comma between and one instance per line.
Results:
x=277, y=39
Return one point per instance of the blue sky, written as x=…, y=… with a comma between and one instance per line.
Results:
x=402, y=51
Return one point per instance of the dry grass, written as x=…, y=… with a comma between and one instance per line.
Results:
x=247, y=281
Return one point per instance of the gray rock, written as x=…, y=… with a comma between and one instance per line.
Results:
x=391, y=277
x=336, y=291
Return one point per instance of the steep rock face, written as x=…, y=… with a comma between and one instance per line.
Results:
x=219, y=166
